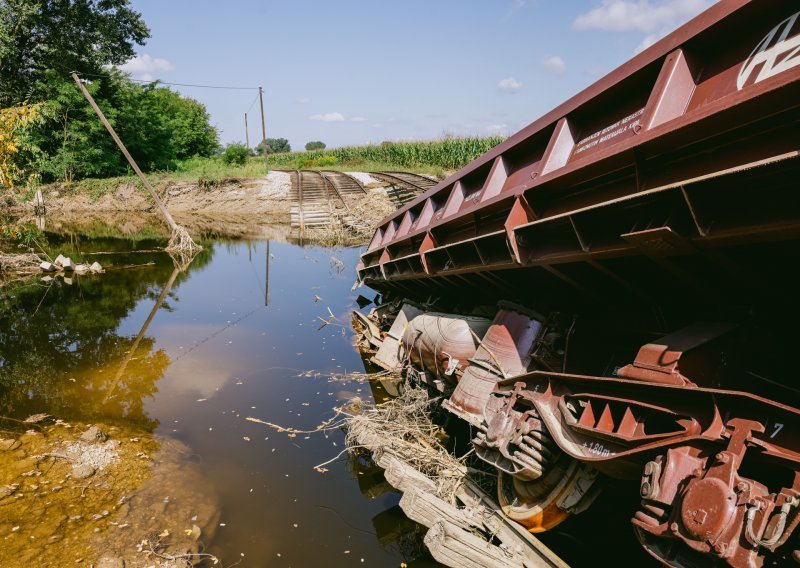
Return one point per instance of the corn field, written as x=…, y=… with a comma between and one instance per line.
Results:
x=448, y=153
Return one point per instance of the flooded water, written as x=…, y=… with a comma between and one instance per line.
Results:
x=187, y=357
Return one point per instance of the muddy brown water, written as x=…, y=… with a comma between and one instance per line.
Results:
x=226, y=344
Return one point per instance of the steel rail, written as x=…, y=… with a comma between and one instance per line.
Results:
x=322, y=193
x=332, y=184
x=428, y=181
x=300, y=199
x=325, y=188
x=390, y=178
x=351, y=178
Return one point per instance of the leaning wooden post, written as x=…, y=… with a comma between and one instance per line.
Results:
x=142, y=331
x=263, y=127
x=170, y=221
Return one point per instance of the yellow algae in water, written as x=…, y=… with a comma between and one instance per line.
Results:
x=66, y=497
x=65, y=486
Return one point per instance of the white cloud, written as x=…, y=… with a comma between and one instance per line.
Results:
x=328, y=117
x=304, y=100
x=639, y=15
x=656, y=18
x=143, y=66
x=358, y=119
x=509, y=85
x=555, y=64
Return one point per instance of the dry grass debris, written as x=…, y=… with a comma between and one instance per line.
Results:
x=403, y=426
x=19, y=263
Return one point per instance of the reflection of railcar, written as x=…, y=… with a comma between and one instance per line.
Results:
x=653, y=221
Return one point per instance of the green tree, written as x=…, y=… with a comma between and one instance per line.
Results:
x=274, y=146
x=37, y=36
x=236, y=153
x=157, y=125
x=70, y=140
x=315, y=145
x=191, y=133
x=41, y=42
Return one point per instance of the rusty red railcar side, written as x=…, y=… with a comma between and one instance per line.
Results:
x=643, y=237
x=631, y=166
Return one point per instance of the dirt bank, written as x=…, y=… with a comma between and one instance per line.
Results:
x=266, y=198
x=243, y=202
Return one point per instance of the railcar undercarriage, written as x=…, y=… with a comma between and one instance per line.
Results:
x=611, y=293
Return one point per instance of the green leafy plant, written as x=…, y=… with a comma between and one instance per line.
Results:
x=446, y=154
x=326, y=161
x=236, y=154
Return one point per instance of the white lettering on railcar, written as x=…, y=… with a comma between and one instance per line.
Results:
x=597, y=449
x=609, y=132
x=776, y=53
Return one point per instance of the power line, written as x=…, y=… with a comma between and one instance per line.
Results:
x=176, y=84
x=251, y=104
x=192, y=85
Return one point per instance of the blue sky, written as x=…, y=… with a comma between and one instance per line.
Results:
x=356, y=72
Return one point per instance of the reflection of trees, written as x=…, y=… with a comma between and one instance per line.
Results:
x=133, y=350
x=60, y=348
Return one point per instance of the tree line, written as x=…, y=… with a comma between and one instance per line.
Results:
x=41, y=43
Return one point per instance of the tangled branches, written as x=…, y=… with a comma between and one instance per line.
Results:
x=403, y=426
x=153, y=547
x=181, y=246
x=22, y=263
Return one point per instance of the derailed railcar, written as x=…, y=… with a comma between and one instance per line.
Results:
x=640, y=244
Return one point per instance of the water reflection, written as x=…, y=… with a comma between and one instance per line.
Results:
x=61, y=347
x=188, y=355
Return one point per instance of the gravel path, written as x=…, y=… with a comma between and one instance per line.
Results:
x=364, y=178
x=278, y=185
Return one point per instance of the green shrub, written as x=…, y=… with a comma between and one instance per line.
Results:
x=323, y=161
x=236, y=154
x=274, y=146
x=315, y=145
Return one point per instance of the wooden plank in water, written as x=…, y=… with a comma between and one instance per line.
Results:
x=454, y=536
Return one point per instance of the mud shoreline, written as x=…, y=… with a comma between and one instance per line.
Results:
x=264, y=200
x=102, y=496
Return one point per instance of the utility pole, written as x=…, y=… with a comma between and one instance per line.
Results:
x=246, y=132
x=170, y=221
x=263, y=128
x=266, y=279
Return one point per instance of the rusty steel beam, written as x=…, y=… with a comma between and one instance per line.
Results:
x=679, y=138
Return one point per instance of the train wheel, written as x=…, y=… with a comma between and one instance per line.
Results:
x=567, y=487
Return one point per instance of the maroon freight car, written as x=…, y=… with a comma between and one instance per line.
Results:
x=646, y=232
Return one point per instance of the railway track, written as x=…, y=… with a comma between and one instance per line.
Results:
x=404, y=186
x=417, y=180
x=345, y=183
x=319, y=198
x=312, y=203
